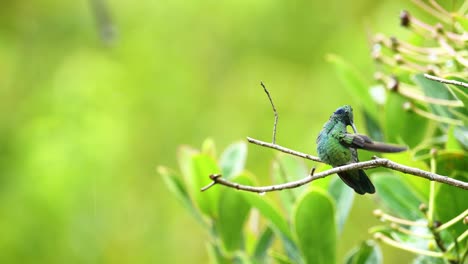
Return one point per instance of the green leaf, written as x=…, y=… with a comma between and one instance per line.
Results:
x=315, y=228
x=233, y=212
x=451, y=162
x=401, y=124
x=343, y=196
x=373, y=127
x=184, y=158
x=263, y=244
x=233, y=159
x=428, y=260
x=280, y=258
x=435, y=90
x=276, y=221
x=396, y=195
x=177, y=187
x=216, y=256
x=462, y=20
x=451, y=201
x=286, y=169
x=355, y=84
x=269, y=211
x=367, y=253
x=209, y=147
x=452, y=143
x=418, y=185
x=461, y=134
x=202, y=166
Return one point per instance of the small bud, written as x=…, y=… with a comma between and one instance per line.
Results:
x=436, y=224
x=378, y=236
x=378, y=212
x=394, y=226
x=431, y=69
x=407, y=106
x=439, y=28
x=398, y=59
x=378, y=76
x=465, y=220
x=423, y=207
x=405, y=18
x=431, y=245
x=433, y=152
x=394, y=42
x=393, y=83
x=379, y=38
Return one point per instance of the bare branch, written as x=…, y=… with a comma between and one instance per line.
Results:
x=438, y=79
x=283, y=149
x=274, y=111
x=377, y=162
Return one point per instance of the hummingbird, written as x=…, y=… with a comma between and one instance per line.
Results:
x=337, y=147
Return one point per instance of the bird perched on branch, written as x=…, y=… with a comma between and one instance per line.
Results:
x=337, y=147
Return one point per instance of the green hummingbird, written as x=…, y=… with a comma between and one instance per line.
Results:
x=337, y=147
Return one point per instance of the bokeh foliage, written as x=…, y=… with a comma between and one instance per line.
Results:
x=84, y=119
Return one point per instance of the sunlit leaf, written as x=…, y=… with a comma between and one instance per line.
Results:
x=202, y=166
x=232, y=212
x=315, y=227
x=232, y=160
x=343, y=196
x=367, y=253
x=396, y=195
x=209, y=147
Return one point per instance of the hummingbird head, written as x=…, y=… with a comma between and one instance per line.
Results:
x=345, y=114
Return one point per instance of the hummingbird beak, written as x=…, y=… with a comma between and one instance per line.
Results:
x=354, y=128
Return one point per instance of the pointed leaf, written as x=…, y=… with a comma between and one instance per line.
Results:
x=315, y=228
x=209, y=147
x=367, y=253
x=233, y=159
x=269, y=211
x=343, y=196
x=202, y=166
x=215, y=255
x=177, y=187
x=263, y=244
x=233, y=211
x=396, y=195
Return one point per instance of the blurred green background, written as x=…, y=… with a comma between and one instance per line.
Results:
x=90, y=104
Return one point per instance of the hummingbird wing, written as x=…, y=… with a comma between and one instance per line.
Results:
x=364, y=142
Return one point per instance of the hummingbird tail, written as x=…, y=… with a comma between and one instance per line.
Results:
x=358, y=180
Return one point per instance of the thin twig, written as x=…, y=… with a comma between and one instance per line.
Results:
x=377, y=162
x=283, y=149
x=274, y=111
x=442, y=80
